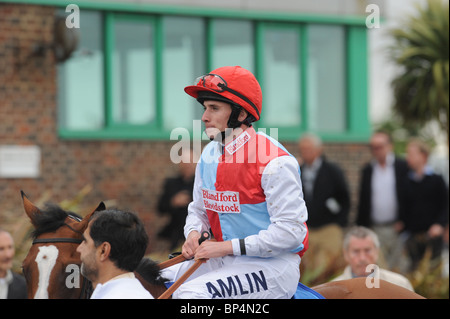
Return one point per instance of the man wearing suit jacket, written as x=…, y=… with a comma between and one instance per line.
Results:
x=379, y=193
x=12, y=285
x=327, y=198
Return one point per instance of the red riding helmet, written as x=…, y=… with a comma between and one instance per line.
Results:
x=232, y=83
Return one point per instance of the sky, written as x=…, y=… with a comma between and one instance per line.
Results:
x=382, y=71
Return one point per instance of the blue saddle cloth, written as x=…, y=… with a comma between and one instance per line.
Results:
x=304, y=292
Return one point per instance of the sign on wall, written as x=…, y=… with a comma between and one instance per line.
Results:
x=17, y=161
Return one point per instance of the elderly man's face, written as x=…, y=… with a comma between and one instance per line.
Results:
x=6, y=252
x=360, y=253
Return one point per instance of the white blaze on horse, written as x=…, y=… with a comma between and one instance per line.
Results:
x=45, y=260
x=58, y=233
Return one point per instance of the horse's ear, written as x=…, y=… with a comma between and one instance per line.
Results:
x=100, y=207
x=30, y=208
x=85, y=221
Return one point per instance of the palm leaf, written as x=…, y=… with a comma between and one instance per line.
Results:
x=421, y=91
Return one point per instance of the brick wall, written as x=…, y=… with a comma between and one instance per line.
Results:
x=128, y=172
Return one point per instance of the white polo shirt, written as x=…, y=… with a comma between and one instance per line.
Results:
x=124, y=286
x=384, y=194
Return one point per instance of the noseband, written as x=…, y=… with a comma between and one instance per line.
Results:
x=86, y=288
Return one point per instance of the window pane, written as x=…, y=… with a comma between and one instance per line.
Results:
x=183, y=62
x=80, y=79
x=230, y=49
x=326, y=78
x=133, y=73
x=281, y=77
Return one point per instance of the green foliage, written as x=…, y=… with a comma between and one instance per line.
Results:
x=428, y=281
x=421, y=48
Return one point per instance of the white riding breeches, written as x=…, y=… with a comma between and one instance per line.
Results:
x=238, y=277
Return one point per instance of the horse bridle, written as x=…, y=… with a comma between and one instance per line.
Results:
x=86, y=288
x=57, y=240
x=62, y=240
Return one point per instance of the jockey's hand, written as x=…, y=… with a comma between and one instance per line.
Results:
x=190, y=245
x=213, y=249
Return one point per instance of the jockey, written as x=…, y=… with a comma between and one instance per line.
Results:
x=248, y=193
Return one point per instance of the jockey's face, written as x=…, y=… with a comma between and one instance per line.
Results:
x=215, y=117
x=360, y=253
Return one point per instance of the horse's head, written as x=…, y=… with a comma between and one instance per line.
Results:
x=52, y=266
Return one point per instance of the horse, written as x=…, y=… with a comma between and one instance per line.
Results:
x=51, y=268
x=52, y=265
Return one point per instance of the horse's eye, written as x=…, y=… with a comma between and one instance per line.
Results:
x=24, y=271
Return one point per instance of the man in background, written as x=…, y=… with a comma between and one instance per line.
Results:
x=327, y=198
x=113, y=245
x=379, y=193
x=175, y=198
x=361, y=250
x=424, y=213
x=12, y=285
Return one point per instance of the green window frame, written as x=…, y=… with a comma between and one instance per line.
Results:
x=356, y=69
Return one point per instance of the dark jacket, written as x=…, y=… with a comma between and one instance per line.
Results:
x=330, y=182
x=424, y=203
x=173, y=231
x=365, y=189
x=17, y=289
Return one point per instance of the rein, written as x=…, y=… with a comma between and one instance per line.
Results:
x=204, y=236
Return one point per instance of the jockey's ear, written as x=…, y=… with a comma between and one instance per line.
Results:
x=81, y=227
x=30, y=208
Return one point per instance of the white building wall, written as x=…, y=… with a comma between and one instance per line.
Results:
x=328, y=7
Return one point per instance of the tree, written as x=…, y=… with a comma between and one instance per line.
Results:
x=421, y=90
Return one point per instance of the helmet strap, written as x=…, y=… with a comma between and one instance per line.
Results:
x=233, y=121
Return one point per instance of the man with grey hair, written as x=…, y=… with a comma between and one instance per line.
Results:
x=327, y=198
x=361, y=249
x=12, y=285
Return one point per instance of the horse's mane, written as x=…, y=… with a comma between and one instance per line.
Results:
x=150, y=271
x=51, y=218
